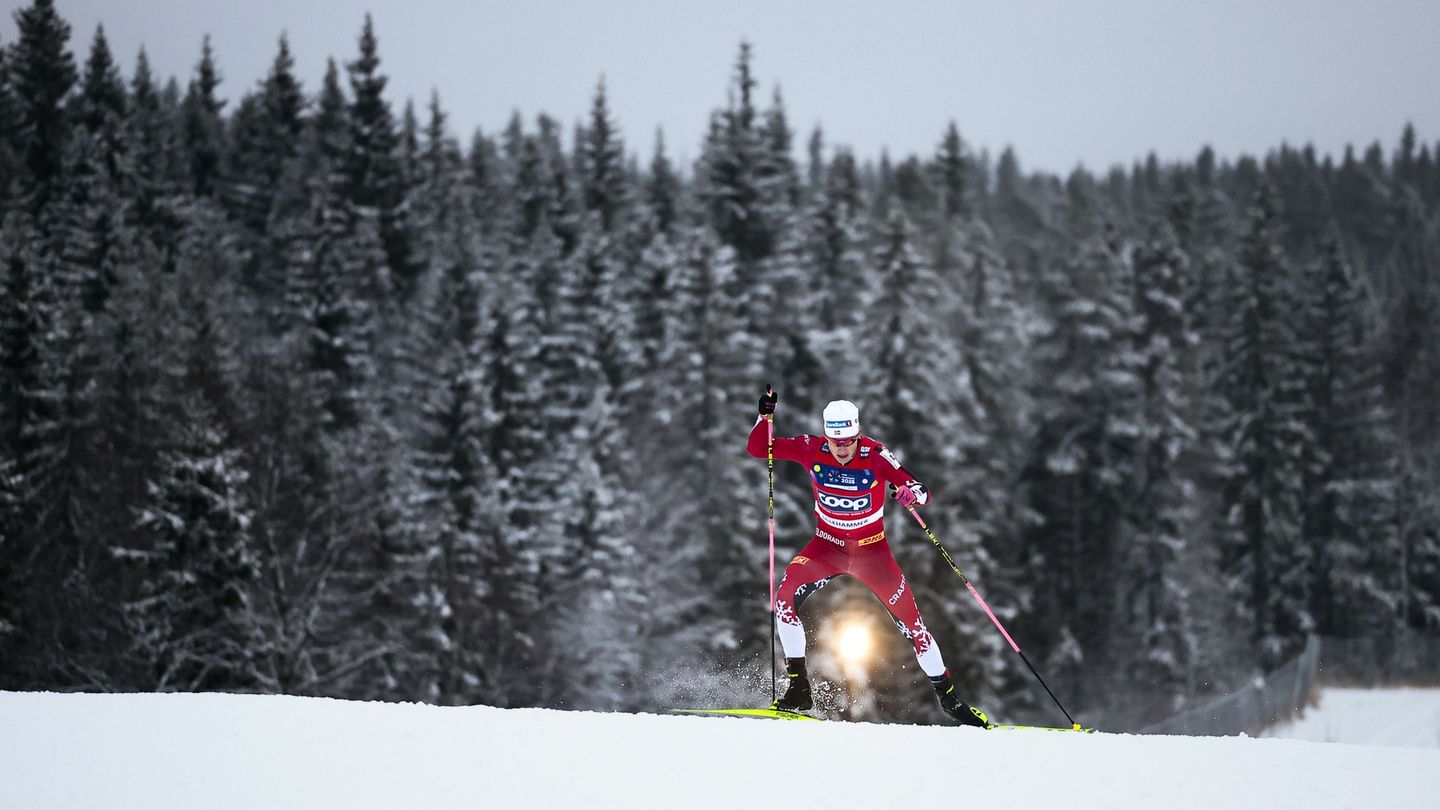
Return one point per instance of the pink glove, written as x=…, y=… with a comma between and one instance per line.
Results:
x=907, y=496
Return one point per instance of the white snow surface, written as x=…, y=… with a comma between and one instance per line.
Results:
x=1405, y=717
x=218, y=752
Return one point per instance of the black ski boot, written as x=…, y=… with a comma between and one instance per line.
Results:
x=951, y=704
x=797, y=697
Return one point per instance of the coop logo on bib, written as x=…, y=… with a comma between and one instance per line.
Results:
x=845, y=503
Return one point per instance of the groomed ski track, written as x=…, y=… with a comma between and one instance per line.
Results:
x=68, y=752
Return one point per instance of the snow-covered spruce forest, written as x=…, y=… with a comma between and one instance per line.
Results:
x=304, y=392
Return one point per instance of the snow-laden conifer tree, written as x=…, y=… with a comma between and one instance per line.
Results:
x=29, y=387
x=1416, y=517
x=742, y=180
x=564, y=194
x=702, y=526
x=827, y=280
x=266, y=133
x=9, y=156
x=439, y=197
x=779, y=178
x=194, y=623
x=916, y=400
x=992, y=329
x=1155, y=617
x=602, y=154
x=1264, y=557
x=953, y=170
x=41, y=73
x=594, y=599
x=154, y=132
x=94, y=220
x=520, y=443
x=1350, y=475
x=374, y=183
x=204, y=129
x=448, y=553
x=1082, y=469
x=661, y=192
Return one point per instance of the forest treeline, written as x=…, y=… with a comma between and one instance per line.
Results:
x=303, y=394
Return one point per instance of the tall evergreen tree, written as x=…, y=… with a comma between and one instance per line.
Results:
x=590, y=604
x=831, y=272
x=28, y=397
x=41, y=73
x=1081, y=473
x=329, y=129
x=194, y=625
x=372, y=170
x=662, y=187
x=696, y=409
x=952, y=166
x=267, y=131
x=732, y=169
x=535, y=190
x=1157, y=609
x=1351, y=478
x=565, y=210
x=407, y=151
x=102, y=99
x=204, y=127
x=330, y=289
x=1416, y=521
x=374, y=179
x=1263, y=555
x=90, y=247
x=815, y=154
x=95, y=214
x=779, y=176
x=155, y=139
x=438, y=195
x=529, y=421
x=935, y=429
x=602, y=155
x=985, y=318
x=455, y=542
x=9, y=134
x=484, y=176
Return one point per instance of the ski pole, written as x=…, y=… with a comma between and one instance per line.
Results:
x=770, y=464
x=988, y=612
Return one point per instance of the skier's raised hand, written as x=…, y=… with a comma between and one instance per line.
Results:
x=912, y=494
x=768, y=400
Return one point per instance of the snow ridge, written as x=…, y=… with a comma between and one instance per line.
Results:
x=226, y=752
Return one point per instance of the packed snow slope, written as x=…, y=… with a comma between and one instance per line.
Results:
x=158, y=752
x=1408, y=717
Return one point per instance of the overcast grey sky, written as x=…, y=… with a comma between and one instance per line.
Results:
x=1096, y=83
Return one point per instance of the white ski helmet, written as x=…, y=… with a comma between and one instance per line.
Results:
x=842, y=419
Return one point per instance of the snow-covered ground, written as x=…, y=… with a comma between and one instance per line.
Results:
x=111, y=752
x=1408, y=717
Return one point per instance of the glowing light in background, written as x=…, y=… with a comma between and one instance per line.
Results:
x=855, y=643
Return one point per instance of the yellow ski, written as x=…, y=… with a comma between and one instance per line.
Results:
x=1012, y=727
x=772, y=714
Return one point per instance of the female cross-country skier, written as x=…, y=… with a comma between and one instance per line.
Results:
x=848, y=472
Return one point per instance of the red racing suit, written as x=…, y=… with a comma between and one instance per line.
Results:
x=849, y=538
